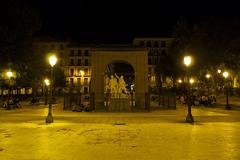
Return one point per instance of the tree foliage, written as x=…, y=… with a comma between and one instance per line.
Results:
x=211, y=42
x=18, y=25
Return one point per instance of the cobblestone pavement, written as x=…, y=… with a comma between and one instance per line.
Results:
x=159, y=134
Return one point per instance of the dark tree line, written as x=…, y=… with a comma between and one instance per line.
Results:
x=19, y=23
x=213, y=42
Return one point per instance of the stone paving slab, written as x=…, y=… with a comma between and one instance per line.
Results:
x=119, y=136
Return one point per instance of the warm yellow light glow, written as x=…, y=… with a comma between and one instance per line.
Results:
x=225, y=74
x=187, y=60
x=52, y=60
x=9, y=74
x=219, y=71
x=208, y=76
x=81, y=73
x=191, y=81
x=47, y=82
x=179, y=81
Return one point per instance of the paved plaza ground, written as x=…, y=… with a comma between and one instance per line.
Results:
x=154, y=135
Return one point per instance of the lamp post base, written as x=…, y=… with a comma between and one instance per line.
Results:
x=189, y=118
x=228, y=107
x=49, y=118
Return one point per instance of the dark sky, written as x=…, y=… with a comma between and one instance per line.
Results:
x=119, y=20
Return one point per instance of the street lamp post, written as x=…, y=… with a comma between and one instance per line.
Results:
x=9, y=75
x=208, y=77
x=219, y=71
x=187, y=62
x=47, y=83
x=52, y=62
x=80, y=86
x=225, y=75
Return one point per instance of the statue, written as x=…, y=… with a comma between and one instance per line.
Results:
x=116, y=86
x=113, y=85
x=122, y=85
x=106, y=84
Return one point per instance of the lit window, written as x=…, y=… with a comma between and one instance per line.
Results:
x=78, y=81
x=86, y=71
x=71, y=81
x=85, y=80
x=71, y=72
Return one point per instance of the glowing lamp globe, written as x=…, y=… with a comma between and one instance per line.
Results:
x=9, y=74
x=208, y=76
x=225, y=74
x=52, y=60
x=187, y=60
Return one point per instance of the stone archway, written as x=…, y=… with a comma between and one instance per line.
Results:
x=122, y=68
x=119, y=86
x=136, y=57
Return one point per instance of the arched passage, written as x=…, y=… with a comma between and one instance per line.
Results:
x=102, y=57
x=119, y=90
x=121, y=68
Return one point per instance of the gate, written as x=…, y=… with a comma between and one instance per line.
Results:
x=165, y=99
x=72, y=99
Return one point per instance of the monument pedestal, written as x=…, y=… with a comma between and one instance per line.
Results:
x=119, y=104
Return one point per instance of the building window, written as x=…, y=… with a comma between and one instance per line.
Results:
x=156, y=44
x=153, y=79
x=79, y=81
x=149, y=44
x=79, y=62
x=163, y=44
x=150, y=53
x=86, y=62
x=141, y=43
x=85, y=90
x=61, y=54
x=71, y=81
x=149, y=61
x=71, y=62
x=79, y=53
x=72, y=53
x=61, y=62
x=86, y=53
x=85, y=80
x=71, y=72
x=163, y=52
x=86, y=71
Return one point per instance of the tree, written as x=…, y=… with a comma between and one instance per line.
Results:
x=18, y=25
x=210, y=41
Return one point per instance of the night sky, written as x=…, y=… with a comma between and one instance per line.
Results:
x=119, y=20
